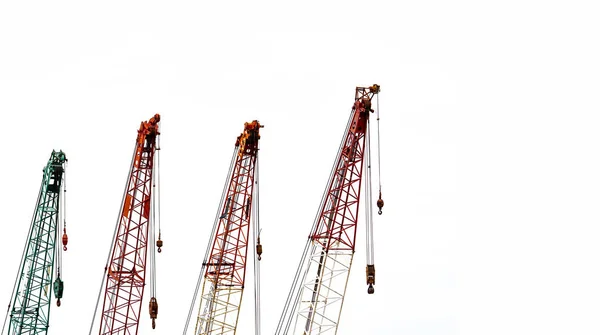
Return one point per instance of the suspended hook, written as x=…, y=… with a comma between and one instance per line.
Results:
x=153, y=307
x=258, y=248
x=59, y=287
x=65, y=239
x=371, y=278
x=159, y=243
x=379, y=203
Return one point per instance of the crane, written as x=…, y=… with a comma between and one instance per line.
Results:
x=223, y=271
x=315, y=300
x=41, y=261
x=125, y=272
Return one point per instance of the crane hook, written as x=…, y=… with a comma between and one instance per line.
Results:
x=379, y=203
x=65, y=239
x=153, y=307
x=159, y=243
x=371, y=278
x=259, y=249
x=58, y=287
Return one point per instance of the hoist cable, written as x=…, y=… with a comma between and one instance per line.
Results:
x=211, y=238
x=62, y=212
x=368, y=197
x=64, y=208
x=295, y=291
x=151, y=237
x=378, y=147
x=113, y=239
x=155, y=213
x=157, y=197
x=256, y=233
x=57, y=229
x=158, y=179
x=65, y=196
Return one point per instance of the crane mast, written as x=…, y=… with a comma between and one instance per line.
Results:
x=30, y=302
x=315, y=301
x=224, y=268
x=126, y=269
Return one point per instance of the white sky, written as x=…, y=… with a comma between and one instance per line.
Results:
x=489, y=134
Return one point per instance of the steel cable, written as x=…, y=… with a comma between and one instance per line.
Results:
x=211, y=238
x=113, y=240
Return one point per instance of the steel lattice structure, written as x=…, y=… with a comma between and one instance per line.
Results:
x=126, y=273
x=223, y=282
x=30, y=310
x=325, y=267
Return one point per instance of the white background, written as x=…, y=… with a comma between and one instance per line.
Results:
x=489, y=137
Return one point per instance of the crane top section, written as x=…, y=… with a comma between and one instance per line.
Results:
x=58, y=157
x=362, y=107
x=248, y=139
x=148, y=129
x=55, y=169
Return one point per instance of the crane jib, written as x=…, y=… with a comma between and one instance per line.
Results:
x=40, y=269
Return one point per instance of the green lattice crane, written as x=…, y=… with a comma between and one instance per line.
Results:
x=40, y=267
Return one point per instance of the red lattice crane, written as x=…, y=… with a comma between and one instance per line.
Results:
x=223, y=274
x=315, y=301
x=126, y=271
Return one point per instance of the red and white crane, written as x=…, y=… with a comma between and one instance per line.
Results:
x=126, y=270
x=223, y=274
x=315, y=301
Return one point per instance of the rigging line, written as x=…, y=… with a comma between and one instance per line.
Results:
x=154, y=197
x=65, y=196
x=238, y=163
x=57, y=248
x=256, y=178
x=341, y=170
x=157, y=197
x=299, y=292
x=158, y=178
x=369, y=197
x=295, y=283
x=255, y=215
x=23, y=255
x=57, y=229
x=62, y=215
x=113, y=238
x=151, y=223
x=211, y=238
x=64, y=208
x=378, y=147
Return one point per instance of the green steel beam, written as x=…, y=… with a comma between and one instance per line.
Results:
x=30, y=309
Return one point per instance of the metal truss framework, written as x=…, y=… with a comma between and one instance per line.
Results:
x=30, y=311
x=126, y=277
x=223, y=284
x=333, y=239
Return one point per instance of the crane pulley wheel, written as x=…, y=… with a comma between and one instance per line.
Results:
x=159, y=244
x=153, y=307
x=259, y=249
x=65, y=239
x=379, y=203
